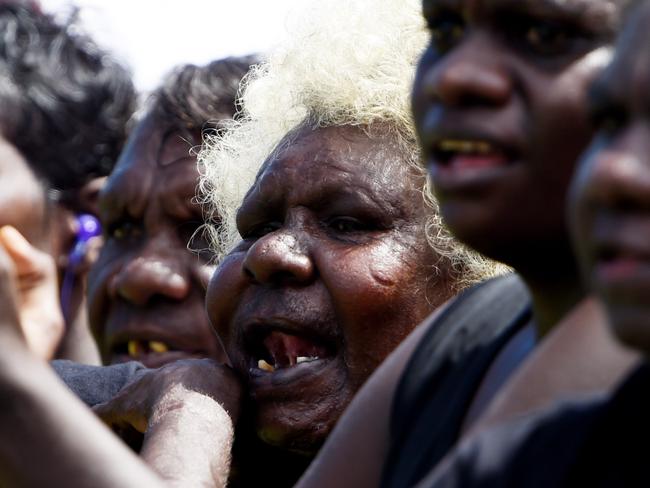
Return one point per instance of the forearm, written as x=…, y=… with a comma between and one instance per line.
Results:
x=189, y=440
x=49, y=438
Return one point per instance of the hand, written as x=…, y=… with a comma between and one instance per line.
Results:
x=30, y=297
x=158, y=391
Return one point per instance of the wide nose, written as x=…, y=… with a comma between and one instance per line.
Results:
x=279, y=258
x=155, y=272
x=617, y=177
x=473, y=73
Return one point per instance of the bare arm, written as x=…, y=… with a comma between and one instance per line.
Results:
x=354, y=453
x=48, y=437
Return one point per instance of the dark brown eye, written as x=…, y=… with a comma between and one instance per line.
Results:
x=447, y=29
x=261, y=230
x=547, y=38
x=124, y=230
x=346, y=224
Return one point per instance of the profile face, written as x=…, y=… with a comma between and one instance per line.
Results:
x=333, y=271
x=22, y=197
x=610, y=199
x=146, y=292
x=499, y=102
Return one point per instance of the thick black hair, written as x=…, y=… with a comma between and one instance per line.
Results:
x=193, y=98
x=64, y=103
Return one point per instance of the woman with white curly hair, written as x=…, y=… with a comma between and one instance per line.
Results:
x=331, y=248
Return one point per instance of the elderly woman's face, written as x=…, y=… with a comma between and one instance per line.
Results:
x=610, y=204
x=499, y=101
x=332, y=273
x=146, y=292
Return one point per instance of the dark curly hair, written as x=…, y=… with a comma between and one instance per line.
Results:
x=192, y=98
x=64, y=103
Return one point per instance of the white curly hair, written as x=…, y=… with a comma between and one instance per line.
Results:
x=344, y=63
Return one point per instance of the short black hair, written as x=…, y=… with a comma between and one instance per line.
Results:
x=64, y=102
x=192, y=98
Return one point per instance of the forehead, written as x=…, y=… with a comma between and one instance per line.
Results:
x=333, y=156
x=627, y=78
x=605, y=11
x=156, y=165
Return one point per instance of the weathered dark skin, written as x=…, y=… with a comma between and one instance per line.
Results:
x=334, y=252
x=146, y=285
x=610, y=204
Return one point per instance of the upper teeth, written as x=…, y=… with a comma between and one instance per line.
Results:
x=157, y=346
x=263, y=365
x=135, y=348
x=472, y=147
x=305, y=359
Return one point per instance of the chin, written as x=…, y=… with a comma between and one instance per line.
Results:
x=631, y=326
x=300, y=428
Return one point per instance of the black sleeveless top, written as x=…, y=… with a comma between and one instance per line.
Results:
x=600, y=443
x=444, y=373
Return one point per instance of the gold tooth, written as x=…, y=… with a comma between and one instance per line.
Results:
x=133, y=348
x=454, y=145
x=263, y=365
x=159, y=347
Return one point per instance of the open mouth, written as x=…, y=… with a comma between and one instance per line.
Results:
x=460, y=154
x=152, y=353
x=278, y=350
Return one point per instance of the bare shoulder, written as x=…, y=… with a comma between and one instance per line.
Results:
x=354, y=452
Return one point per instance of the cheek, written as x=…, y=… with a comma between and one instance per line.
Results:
x=225, y=291
x=563, y=128
x=377, y=293
x=98, y=293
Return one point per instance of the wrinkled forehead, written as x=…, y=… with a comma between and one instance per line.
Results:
x=328, y=157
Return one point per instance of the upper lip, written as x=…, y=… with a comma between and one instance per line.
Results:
x=437, y=130
x=621, y=238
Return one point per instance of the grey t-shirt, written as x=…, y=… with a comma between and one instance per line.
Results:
x=96, y=384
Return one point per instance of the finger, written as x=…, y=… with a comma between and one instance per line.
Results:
x=26, y=258
x=114, y=416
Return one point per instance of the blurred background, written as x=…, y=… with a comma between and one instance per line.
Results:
x=152, y=36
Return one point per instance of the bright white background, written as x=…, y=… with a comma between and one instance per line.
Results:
x=152, y=36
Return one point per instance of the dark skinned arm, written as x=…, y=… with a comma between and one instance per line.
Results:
x=49, y=438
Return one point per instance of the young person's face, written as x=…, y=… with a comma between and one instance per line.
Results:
x=146, y=292
x=499, y=102
x=610, y=202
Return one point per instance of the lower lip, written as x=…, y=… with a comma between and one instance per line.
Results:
x=628, y=278
x=463, y=171
x=265, y=383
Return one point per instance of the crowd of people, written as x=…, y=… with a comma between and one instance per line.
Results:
x=403, y=248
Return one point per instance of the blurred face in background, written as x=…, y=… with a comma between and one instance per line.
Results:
x=146, y=292
x=610, y=204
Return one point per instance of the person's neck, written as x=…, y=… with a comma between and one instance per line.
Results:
x=553, y=296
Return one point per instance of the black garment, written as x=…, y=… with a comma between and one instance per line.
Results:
x=96, y=384
x=596, y=444
x=445, y=372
